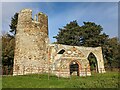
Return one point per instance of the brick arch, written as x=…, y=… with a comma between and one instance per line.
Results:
x=79, y=66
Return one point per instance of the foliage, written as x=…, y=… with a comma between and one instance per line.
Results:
x=87, y=35
x=93, y=61
x=68, y=35
x=13, y=25
x=111, y=52
x=8, y=43
x=106, y=80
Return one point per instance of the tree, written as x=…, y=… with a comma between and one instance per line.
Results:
x=8, y=44
x=91, y=35
x=67, y=35
x=13, y=25
x=87, y=35
x=112, y=53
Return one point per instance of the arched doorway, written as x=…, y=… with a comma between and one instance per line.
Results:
x=93, y=62
x=74, y=68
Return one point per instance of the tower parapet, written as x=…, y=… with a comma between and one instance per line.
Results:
x=25, y=16
x=43, y=19
x=40, y=21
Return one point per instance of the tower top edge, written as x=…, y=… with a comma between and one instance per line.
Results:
x=26, y=10
x=41, y=13
x=30, y=10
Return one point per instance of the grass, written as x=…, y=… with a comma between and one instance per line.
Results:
x=106, y=80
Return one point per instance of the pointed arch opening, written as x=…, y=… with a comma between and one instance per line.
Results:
x=93, y=62
x=74, y=68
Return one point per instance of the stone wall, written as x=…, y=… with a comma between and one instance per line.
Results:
x=30, y=49
x=60, y=62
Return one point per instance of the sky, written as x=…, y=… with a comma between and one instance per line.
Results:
x=61, y=13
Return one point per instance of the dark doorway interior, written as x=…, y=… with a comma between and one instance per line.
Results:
x=74, y=67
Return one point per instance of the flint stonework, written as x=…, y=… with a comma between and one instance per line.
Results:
x=34, y=54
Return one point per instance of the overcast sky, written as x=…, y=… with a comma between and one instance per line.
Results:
x=61, y=13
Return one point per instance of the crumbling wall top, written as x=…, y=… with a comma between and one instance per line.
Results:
x=41, y=13
x=26, y=10
x=28, y=24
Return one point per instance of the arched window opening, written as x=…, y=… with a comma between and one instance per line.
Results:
x=74, y=68
x=61, y=51
x=93, y=62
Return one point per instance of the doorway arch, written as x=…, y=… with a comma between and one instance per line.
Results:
x=93, y=62
x=74, y=68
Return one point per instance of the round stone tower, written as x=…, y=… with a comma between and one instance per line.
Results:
x=31, y=47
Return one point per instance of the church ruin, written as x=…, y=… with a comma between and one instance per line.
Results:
x=34, y=53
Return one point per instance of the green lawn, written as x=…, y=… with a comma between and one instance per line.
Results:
x=107, y=80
